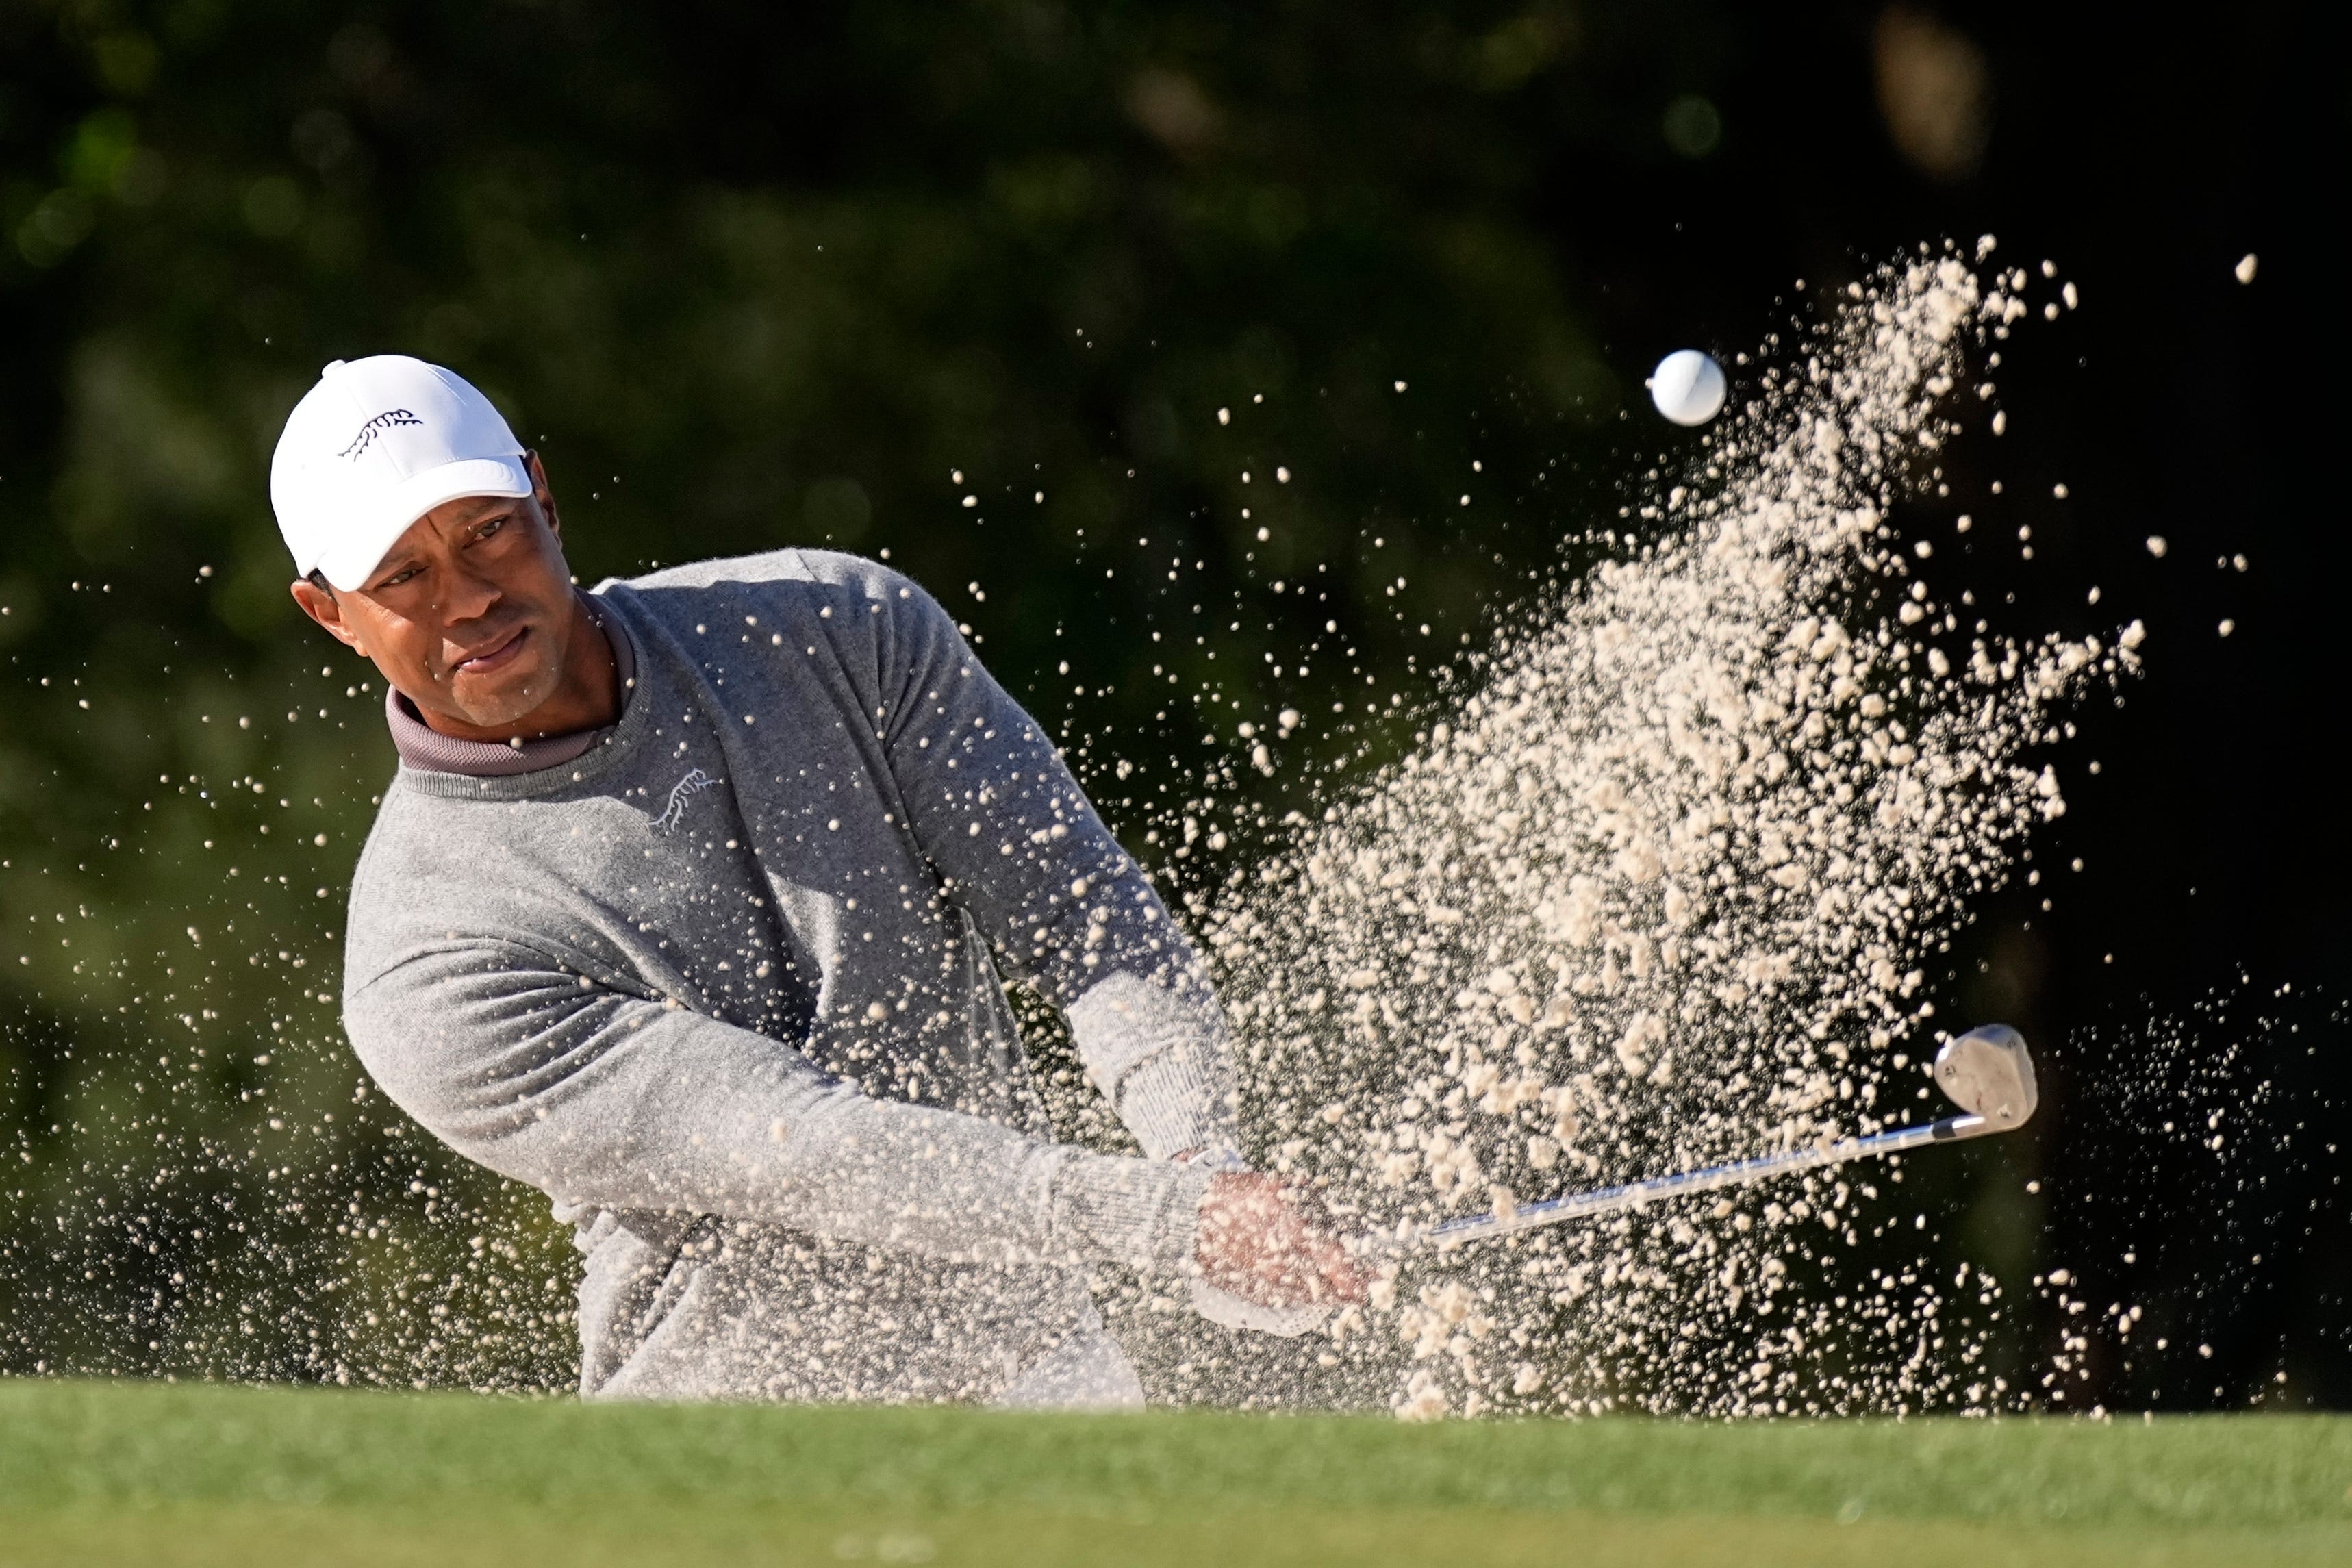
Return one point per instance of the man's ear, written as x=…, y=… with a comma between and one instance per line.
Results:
x=324, y=608
x=543, y=493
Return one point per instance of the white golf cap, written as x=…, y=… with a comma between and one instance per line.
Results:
x=376, y=445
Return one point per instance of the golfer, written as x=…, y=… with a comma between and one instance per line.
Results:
x=691, y=905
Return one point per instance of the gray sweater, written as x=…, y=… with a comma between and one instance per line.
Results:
x=725, y=984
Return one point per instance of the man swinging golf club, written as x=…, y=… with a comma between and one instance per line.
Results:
x=688, y=906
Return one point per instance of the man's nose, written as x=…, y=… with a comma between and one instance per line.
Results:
x=468, y=596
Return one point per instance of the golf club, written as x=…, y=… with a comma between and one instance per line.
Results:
x=1986, y=1072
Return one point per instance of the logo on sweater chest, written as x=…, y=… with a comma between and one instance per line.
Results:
x=686, y=789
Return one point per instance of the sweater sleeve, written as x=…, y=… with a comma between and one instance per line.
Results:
x=605, y=1098
x=1000, y=815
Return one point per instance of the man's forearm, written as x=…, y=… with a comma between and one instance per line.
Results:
x=616, y=1102
x=1000, y=815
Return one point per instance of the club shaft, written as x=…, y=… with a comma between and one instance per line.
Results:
x=1638, y=1195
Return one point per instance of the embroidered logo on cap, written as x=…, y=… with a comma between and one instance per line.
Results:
x=377, y=427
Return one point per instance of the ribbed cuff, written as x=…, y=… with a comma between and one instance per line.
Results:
x=1159, y=1049
x=1145, y=1214
x=1172, y=1103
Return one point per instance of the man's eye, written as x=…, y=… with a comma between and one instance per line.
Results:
x=398, y=577
x=491, y=527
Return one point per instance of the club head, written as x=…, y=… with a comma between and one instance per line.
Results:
x=1988, y=1073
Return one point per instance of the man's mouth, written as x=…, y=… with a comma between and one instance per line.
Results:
x=494, y=657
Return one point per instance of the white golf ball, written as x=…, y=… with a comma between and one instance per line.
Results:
x=1688, y=387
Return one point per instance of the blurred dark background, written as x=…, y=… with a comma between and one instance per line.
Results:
x=749, y=275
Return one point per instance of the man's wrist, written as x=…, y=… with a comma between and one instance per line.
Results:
x=1145, y=1214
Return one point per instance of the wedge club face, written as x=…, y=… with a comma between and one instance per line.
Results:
x=1988, y=1073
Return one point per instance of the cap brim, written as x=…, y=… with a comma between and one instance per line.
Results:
x=361, y=547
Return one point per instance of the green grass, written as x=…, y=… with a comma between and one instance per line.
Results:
x=97, y=1473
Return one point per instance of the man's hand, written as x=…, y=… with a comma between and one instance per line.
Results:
x=1268, y=1242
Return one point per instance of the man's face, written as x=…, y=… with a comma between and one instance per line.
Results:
x=469, y=614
